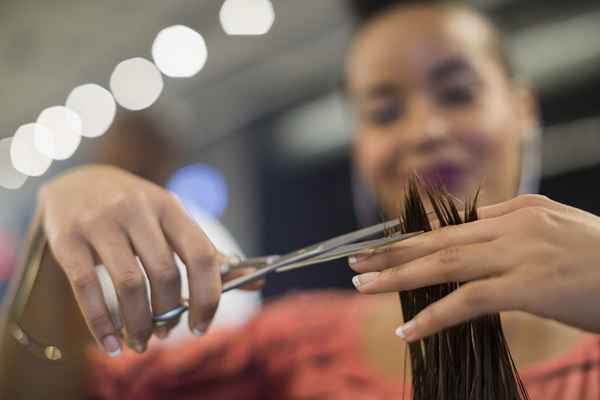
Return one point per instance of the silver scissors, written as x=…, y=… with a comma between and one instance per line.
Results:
x=341, y=246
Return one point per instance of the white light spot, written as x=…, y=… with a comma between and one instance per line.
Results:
x=95, y=106
x=136, y=83
x=63, y=135
x=179, y=52
x=25, y=157
x=247, y=17
x=10, y=178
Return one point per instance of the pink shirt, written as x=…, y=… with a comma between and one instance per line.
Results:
x=302, y=347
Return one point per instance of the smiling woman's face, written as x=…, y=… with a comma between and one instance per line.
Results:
x=430, y=96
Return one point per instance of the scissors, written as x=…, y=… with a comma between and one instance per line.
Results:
x=338, y=247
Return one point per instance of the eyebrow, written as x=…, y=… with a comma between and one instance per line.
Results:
x=447, y=68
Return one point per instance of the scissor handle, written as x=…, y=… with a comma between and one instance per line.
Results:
x=232, y=264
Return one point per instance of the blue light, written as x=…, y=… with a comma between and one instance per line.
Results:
x=202, y=186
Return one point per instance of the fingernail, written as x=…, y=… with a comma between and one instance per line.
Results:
x=357, y=258
x=406, y=331
x=162, y=332
x=363, y=279
x=137, y=346
x=200, y=329
x=112, y=346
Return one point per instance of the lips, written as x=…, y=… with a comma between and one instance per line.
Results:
x=444, y=175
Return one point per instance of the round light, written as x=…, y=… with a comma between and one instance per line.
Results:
x=136, y=83
x=95, y=106
x=63, y=135
x=179, y=52
x=10, y=178
x=23, y=153
x=247, y=17
x=202, y=186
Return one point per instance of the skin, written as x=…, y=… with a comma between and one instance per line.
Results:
x=527, y=253
x=427, y=94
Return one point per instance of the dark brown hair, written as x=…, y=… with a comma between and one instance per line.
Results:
x=365, y=11
x=470, y=361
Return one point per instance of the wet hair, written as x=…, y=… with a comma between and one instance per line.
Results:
x=470, y=361
x=366, y=11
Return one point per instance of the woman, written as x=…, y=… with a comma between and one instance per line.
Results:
x=432, y=94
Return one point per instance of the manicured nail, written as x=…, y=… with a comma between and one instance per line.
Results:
x=162, y=332
x=363, y=279
x=112, y=346
x=137, y=346
x=200, y=329
x=406, y=331
x=358, y=258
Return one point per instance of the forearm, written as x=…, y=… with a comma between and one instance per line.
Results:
x=49, y=362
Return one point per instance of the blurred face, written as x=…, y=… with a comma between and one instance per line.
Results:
x=430, y=97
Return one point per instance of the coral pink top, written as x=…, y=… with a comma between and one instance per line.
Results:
x=302, y=347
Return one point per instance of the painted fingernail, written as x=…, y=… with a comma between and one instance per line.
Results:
x=162, y=332
x=358, y=258
x=112, y=346
x=200, y=329
x=137, y=346
x=363, y=279
x=406, y=331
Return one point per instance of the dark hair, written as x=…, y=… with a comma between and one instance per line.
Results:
x=364, y=11
x=470, y=361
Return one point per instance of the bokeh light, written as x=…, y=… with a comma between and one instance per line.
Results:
x=25, y=157
x=202, y=186
x=179, y=51
x=63, y=135
x=136, y=83
x=10, y=178
x=247, y=17
x=95, y=106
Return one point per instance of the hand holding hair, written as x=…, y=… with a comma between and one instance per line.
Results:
x=529, y=253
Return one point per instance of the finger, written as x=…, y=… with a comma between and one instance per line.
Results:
x=516, y=203
x=467, y=302
x=77, y=261
x=257, y=285
x=201, y=261
x=452, y=264
x=115, y=252
x=428, y=243
x=158, y=260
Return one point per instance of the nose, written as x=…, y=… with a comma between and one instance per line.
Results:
x=428, y=126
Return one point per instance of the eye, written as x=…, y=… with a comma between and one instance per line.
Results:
x=457, y=96
x=385, y=114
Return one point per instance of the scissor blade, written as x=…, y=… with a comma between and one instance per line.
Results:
x=312, y=251
x=348, y=250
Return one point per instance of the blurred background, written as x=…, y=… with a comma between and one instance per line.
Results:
x=264, y=125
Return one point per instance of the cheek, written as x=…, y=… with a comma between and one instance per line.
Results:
x=491, y=137
x=371, y=154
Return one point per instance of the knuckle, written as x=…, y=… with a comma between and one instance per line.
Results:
x=100, y=322
x=83, y=280
x=450, y=255
x=62, y=242
x=127, y=205
x=533, y=200
x=130, y=282
x=203, y=260
x=476, y=298
x=168, y=275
